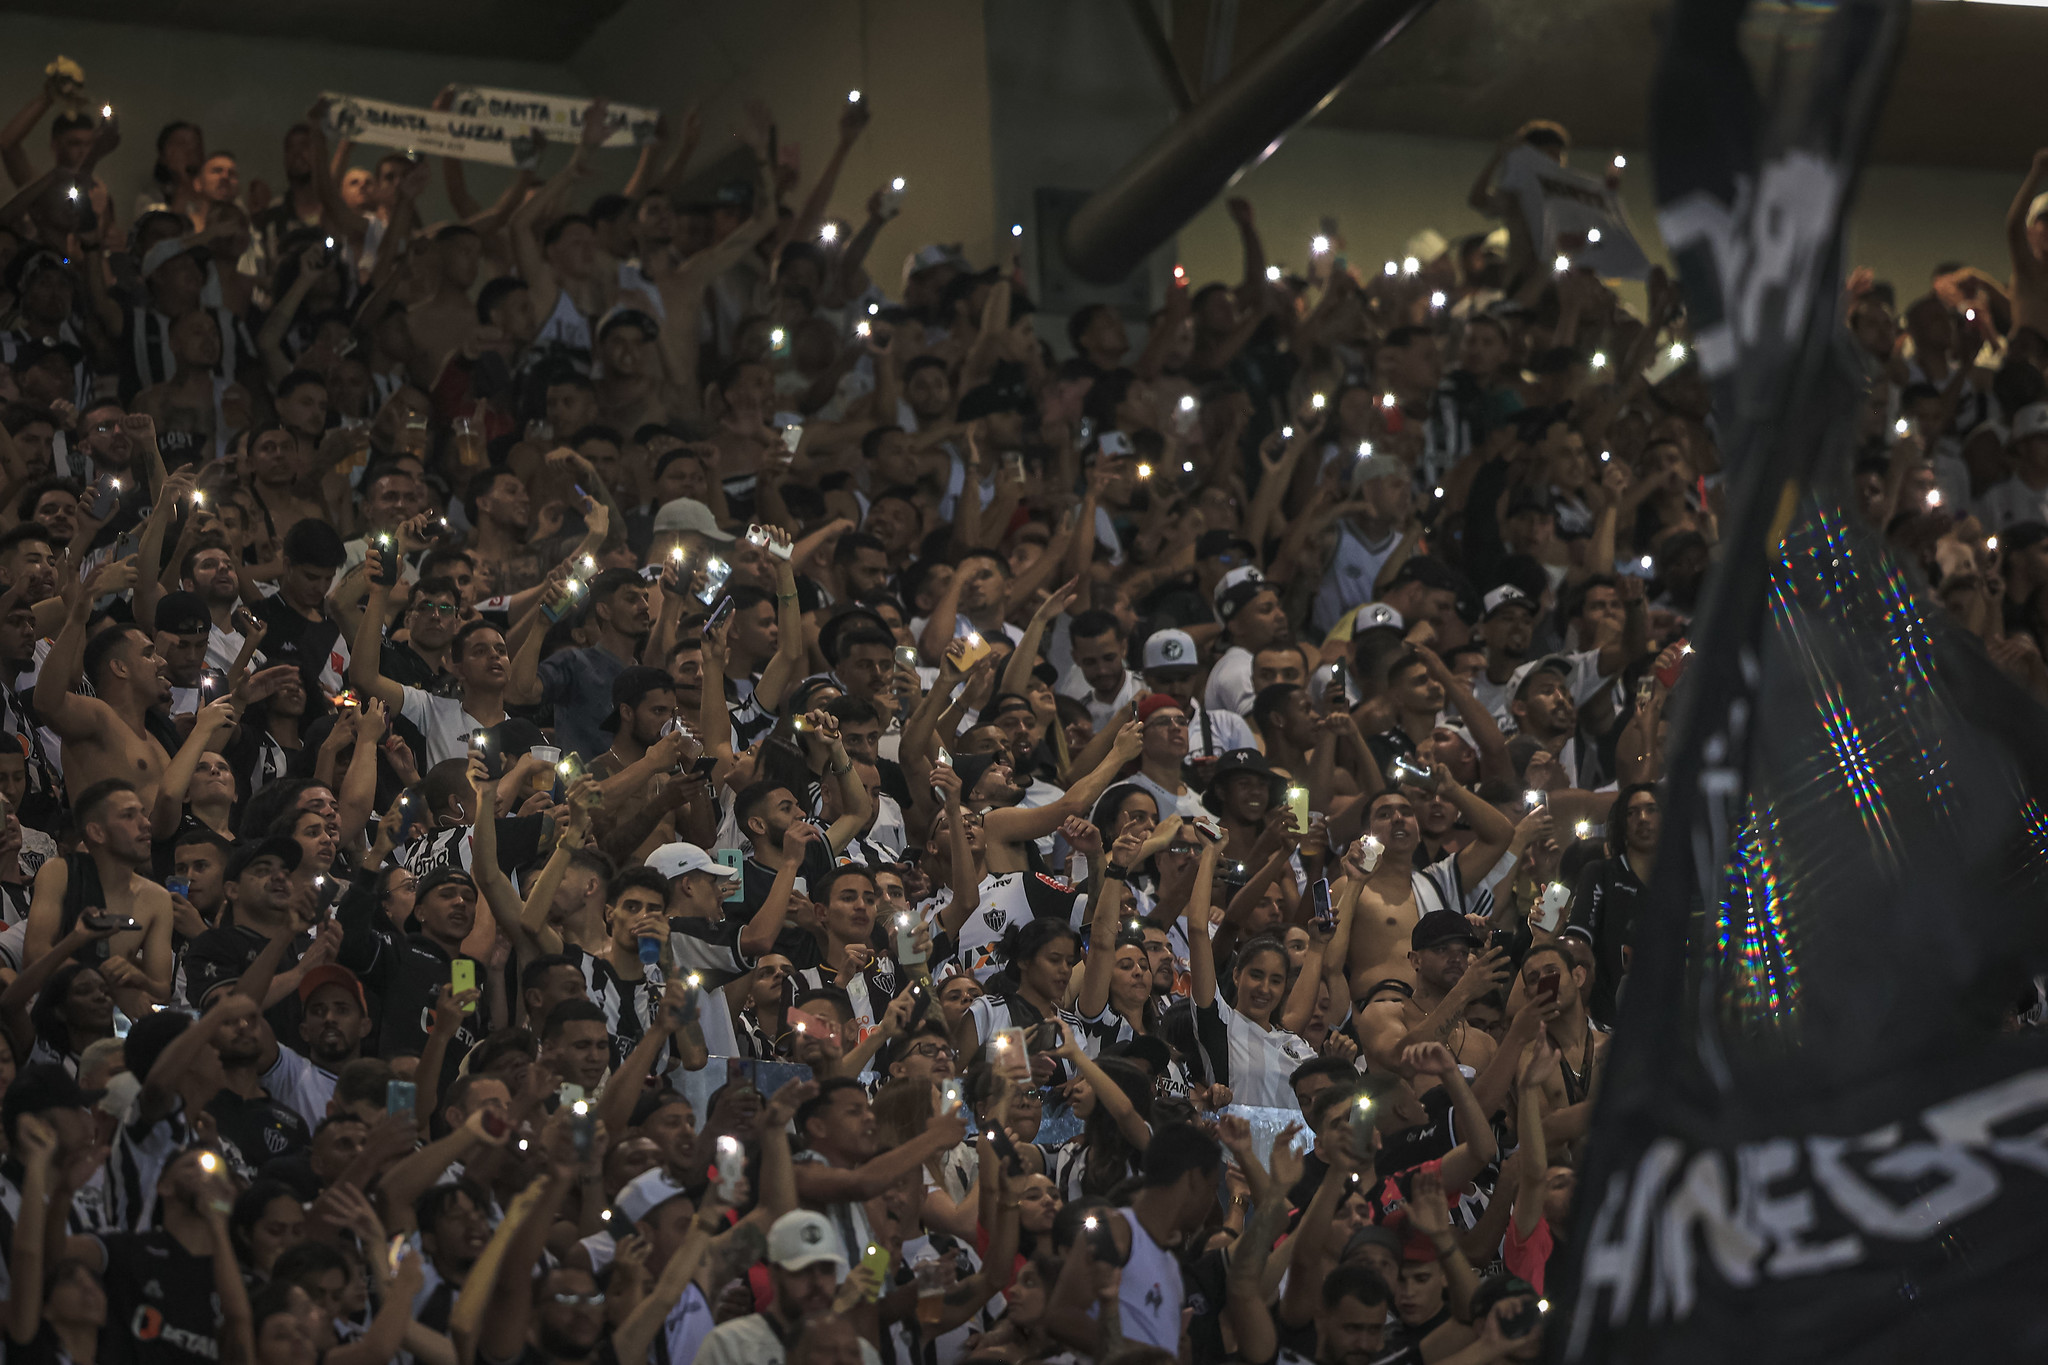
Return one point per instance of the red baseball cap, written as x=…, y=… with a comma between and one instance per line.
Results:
x=332, y=974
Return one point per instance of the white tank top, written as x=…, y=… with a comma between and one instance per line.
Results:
x=1348, y=581
x=565, y=326
x=1150, y=1298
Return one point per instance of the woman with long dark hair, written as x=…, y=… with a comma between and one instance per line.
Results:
x=1113, y=1100
x=1038, y=959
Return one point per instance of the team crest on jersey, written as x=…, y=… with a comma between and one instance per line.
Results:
x=995, y=918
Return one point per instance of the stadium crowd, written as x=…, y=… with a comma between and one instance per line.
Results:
x=609, y=779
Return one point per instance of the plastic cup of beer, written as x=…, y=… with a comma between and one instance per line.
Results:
x=931, y=1289
x=469, y=442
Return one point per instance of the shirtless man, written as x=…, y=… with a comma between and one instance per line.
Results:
x=443, y=321
x=1450, y=973
x=113, y=824
x=1398, y=893
x=1580, y=1044
x=104, y=735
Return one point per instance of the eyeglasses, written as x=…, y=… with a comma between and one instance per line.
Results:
x=580, y=1300
x=932, y=1051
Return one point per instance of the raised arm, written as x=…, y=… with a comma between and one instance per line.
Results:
x=787, y=667
x=56, y=696
x=1015, y=825
x=1201, y=955
x=366, y=651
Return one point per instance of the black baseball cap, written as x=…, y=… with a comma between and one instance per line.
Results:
x=286, y=851
x=1441, y=927
x=1242, y=761
x=440, y=877
x=182, y=613
x=1210, y=544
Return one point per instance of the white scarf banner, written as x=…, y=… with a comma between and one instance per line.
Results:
x=434, y=131
x=560, y=117
x=1565, y=208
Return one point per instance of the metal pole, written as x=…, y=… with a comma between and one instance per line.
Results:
x=1234, y=127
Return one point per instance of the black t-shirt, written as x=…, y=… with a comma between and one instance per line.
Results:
x=224, y=954
x=295, y=640
x=260, y=1130
x=161, y=1304
x=1604, y=905
x=45, y=1350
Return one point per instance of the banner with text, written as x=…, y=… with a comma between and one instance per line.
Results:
x=1572, y=214
x=434, y=132
x=560, y=117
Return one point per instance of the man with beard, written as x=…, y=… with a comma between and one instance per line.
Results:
x=106, y=735
x=643, y=704
x=106, y=876
x=1548, y=721
x=805, y=1263
x=407, y=971
x=1507, y=624
x=1557, y=984
x=1450, y=971
x=1396, y=895
x=334, y=1019
x=578, y=682
x=498, y=507
x=256, y=1126
x=209, y=573
x=1611, y=891
x=1099, y=678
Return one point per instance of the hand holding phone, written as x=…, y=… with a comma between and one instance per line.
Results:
x=462, y=977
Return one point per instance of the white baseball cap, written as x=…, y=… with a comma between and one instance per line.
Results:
x=1507, y=594
x=801, y=1239
x=1170, y=649
x=673, y=860
x=687, y=514
x=1236, y=588
x=2031, y=420
x=1376, y=616
x=645, y=1193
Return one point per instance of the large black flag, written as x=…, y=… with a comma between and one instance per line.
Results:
x=1816, y=1141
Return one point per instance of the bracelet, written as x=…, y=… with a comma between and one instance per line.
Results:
x=785, y=597
x=841, y=772
x=1115, y=872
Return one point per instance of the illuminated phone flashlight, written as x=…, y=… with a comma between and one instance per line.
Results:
x=897, y=184
x=589, y=564
x=1969, y=314
x=1002, y=1041
x=1592, y=234
x=1187, y=403
x=1677, y=351
x=1410, y=266
x=1605, y=456
x=1364, y=449
x=1187, y=466
x=208, y=1162
x=1902, y=426
x=1272, y=274
x=1532, y=798
x=1016, y=229
x=1561, y=264
x=199, y=497
x=319, y=883
x=1392, y=269
x=1439, y=490
x=114, y=484
x=1685, y=649
x=861, y=328
x=800, y=1027
x=693, y=981
x=522, y=1144
x=1619, y=161
x=605, y=1215
x=106, y=111
x=1319, y=245
x=1364, y=1104
x=1287, y=433
x=580, y=1107
x=1645, y=561
x=1089, y=1222
x=1180, y=274
x=853, y=97
x=1543, y=1305
x=829, y=233
x=1387, y=400
x=1316, y=401
x=777, y=337
x=1144, y=471
x=575, y=586
x=874, y=308
x=1437, y=300
x=1934, y=497
x=565, y=767
x=1991, y=544
x=1599, y=360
